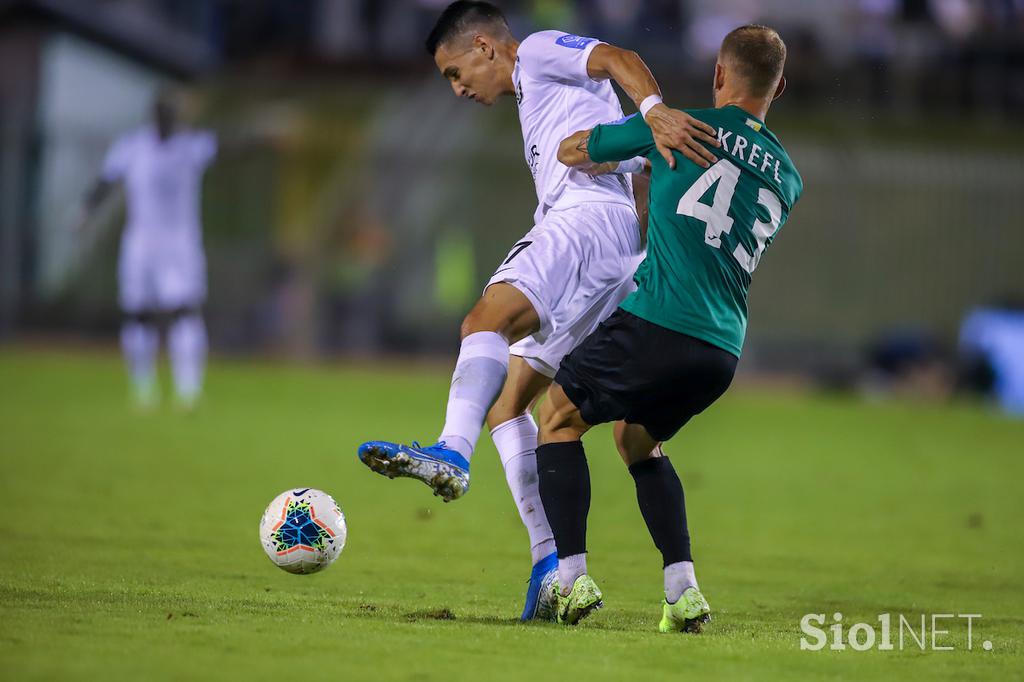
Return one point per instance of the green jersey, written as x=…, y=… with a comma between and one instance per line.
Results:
x=707, y=228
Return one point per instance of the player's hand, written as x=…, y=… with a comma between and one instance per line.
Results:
x=674, y=129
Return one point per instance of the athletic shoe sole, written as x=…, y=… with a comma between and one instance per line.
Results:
x=402, y=465
x=583, y=612
x=695, y=626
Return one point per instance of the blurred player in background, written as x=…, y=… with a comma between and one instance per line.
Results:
x=161, y=266
x=671, y=348
x=992, y=345
x=566, y=275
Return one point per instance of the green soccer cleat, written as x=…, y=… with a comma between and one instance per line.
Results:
x=689, y=614
x=584, y=597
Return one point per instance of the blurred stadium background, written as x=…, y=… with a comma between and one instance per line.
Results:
x=357, y=207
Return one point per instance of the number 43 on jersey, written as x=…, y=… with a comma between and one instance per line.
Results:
x=717, y=218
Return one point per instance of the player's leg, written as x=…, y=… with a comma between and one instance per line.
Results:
x=514, y=433
x=681, y=384
x=186, y=345
x=565, y=492
x=179, y=279
x=659, y=493
x=507, y=312
x=140, y=342
x=600, y=280
x=502, y=316
x=140, y=334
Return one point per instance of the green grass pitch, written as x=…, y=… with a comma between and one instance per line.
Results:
x=129, y=542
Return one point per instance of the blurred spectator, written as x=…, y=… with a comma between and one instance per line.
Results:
x=711, y=22
x=992, y=347
x=914, y=54
x=615, y=20
x=875, y=44
x=908, y=363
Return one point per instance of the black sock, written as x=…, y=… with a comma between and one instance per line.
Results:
x=565, y=492
x=660, y=495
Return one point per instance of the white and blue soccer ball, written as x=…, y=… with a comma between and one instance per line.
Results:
x=303, y=530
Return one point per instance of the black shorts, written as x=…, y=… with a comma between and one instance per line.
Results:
x=643, y=373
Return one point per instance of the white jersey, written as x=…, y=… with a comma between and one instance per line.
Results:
x=557, y=98
x=161, y=264
x=162, y=182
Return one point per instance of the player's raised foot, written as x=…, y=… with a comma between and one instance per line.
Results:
x=542, y=594
x=584, y=598
x=689, y=614
x=441, y=468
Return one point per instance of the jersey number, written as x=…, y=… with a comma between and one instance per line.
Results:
x=717, y=218
x=516, y=250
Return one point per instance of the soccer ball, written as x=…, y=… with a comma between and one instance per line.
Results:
x=303, y=530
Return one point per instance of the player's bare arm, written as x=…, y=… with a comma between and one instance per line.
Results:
x=98, y=193
x=672, y=129
x=573, y=153
x=573, y=150
x=91, y=201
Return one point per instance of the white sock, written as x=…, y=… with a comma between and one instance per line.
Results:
x=479, y=376
x=570, y=568
x=678, y=577
x=186, y=344
x=140, y=343
x=516, y=441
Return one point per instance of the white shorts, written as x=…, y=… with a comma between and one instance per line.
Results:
x=575, y=267
x=160, y=276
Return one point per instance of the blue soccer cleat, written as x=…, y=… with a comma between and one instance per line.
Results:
x=441, y=468
x=542, y=594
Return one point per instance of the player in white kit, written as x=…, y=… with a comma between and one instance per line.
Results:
x=567, y=273
x=161, y=266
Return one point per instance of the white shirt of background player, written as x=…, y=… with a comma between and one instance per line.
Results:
x=162, y=178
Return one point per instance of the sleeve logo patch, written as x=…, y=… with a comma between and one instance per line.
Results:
x=574, y=42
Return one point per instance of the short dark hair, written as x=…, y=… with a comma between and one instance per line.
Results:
x=759, y=55
x=461, y=16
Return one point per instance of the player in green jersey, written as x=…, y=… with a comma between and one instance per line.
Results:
x=671, y=348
